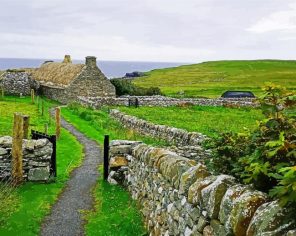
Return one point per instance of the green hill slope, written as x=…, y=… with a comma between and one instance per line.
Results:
x=211, y=79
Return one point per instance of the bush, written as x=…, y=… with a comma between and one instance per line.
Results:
x=266, y=157
x=126, y=87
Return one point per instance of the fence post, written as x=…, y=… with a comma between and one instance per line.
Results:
x=106, y=157
x=33, y=96
x=2, y=93
x=58, y=122
x=17, y=151
x=26, y=124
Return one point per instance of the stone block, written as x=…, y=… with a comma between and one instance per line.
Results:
x=38, y=174
x=191, y=175
x=194, y=192
x=212, y=194
x=3, y=151
x=201, y=224
x=121, y=149
x=118, y=161
x=243, y=211
x=228, y=200
x=208, y=231
x=270, y=218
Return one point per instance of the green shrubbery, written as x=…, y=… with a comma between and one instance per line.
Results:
x=266, y=157
x=126, y=87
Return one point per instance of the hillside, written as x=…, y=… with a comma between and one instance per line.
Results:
x=211, y=79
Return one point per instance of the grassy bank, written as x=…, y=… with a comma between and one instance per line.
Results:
x=211, y=79
x=203, y=119
x=115, y=212
x=31, y=202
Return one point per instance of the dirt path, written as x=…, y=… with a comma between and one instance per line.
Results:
x=66, y=217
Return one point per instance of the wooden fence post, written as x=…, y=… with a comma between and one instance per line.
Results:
x=26, y=124
x=33, y=96
x=106, y=157
x=58, y=122
x=42, y=108
x=17, y=152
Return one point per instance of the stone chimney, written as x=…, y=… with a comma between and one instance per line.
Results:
x=67, y=59
x=91, y=61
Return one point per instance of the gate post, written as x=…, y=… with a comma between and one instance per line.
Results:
x=106, y=157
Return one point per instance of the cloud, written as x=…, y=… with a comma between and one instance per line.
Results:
x=278, y=21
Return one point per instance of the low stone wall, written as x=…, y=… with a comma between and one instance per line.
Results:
x=54, y=93
x=16, y=83
x=179, y=196
x=187, y=144
x=162, y=101
x=36, y=159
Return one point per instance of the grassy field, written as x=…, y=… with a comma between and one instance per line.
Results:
x=211, y=79
x=206, y=120
x=28, y=204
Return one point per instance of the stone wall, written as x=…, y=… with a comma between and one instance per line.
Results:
x=178, y=196
x=16, y=83
x=187, y=144
x=162, y=101
x=54, y=93
x=36, y=159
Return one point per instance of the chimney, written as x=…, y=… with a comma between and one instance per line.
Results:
x=67, y=59
x=91, y=61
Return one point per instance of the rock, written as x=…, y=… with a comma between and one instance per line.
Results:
x=228, y=200
x=39, y=143
x=218, y=228
x=208, y=231
x=212, y=194
x=3, y=151
x=39, y=174
x=202, y=222
x=121, y=149
x=44, y=151
x=118, y=161
x=123, y=142
x=243, y=211
x=29, y=145
x=272, y=219
x=191, y=175
x=291, y=233
x=188, y=232
x=194, y=192
x=6, y=142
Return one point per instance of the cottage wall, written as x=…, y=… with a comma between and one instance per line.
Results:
x=91, y=82
x=54, y=93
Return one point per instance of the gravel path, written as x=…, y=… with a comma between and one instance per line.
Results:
x=66, y=217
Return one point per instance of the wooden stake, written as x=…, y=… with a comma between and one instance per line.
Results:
x=33, y=96
x=58, y=122
x=46, y=128
x=17, y=152
x=42, y=108
x=26, y=124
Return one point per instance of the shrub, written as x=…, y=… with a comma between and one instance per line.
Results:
x=266, y=157
x=126, y=87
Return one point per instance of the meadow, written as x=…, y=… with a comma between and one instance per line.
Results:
x=204, y=119
x=211, y=79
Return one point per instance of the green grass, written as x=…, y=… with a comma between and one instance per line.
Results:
x=115, y=213
x=203, y=119
x=96, y=123
x=211, y=79
x=31, y=202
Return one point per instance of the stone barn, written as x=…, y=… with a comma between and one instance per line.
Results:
x=64, y=81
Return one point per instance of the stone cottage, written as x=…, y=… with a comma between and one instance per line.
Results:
x=65, y=81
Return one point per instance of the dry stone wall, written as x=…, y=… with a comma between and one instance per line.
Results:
x=179, y=196
x=16, y=83
x=97, y=102
x=36, y=159
x=187, y=144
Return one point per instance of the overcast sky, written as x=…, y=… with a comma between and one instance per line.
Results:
x=149, y=30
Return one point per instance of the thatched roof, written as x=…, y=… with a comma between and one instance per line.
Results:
x=57, y=74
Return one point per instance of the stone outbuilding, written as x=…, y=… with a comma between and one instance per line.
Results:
x=64, y=81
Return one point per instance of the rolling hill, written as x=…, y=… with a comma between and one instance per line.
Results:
x=211, y=79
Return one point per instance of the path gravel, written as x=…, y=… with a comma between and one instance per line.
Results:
x=65, y=218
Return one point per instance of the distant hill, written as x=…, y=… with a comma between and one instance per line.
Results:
x=211, y=79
